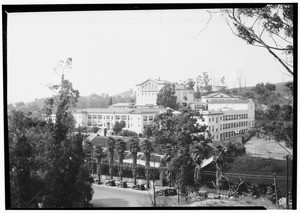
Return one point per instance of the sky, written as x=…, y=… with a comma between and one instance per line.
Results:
x=112, y=51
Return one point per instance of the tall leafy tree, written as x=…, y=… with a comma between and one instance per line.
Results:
x=147, y=148
x=166, y=97
x=26, y=162
x=111, y=145
x=120, y=148
x=269, y=27
x=134, y=149
x=99, y=155
x=66, y=187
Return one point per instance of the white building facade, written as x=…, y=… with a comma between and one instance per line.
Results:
x=146, y=92
x=227, y=118
x=105, y=118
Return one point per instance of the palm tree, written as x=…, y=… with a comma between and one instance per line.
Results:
x=89, y=149
x=99, y=154
x=111, y=150
x=134, y=149
x=147, y=149
x=120, y=148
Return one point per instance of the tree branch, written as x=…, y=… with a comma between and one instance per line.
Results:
x=210, y=16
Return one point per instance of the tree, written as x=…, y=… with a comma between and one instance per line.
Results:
x=134, y=149
x=111, y=144
x=26, y=137
x=148, y=131
x=95, y=129
x=269, y=27
x=190, y=83
x=277, y=123
x=118, y=126
x=166, y=96
x=147, y=148
x=177, y=135
x=223, y=156
x=19, y=104
x=67, y=187
x=120, y=148
x=204, y=82
x=110, y=101
x=99, y=154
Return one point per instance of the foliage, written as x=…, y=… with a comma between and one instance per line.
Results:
x=148, y=130
x=118, y=126
x=95, y=129
x=110, y=101
x=277, y=123
x=147, y=148
x=99, y=154
x=190, y=83
x=46, y=159
x=271, y=194
x=120, y=148
x=269, y=27
x=134, y=149
x=204, y=82
x=128, y=133
x=111, y=144
x=166, y=96
x=183, y=144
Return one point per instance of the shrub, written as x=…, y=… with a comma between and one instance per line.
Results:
x=128, y=133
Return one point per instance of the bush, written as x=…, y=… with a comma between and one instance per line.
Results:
x=128, y=133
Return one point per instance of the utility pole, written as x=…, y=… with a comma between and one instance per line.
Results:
x=275, y=183
x=287, y=182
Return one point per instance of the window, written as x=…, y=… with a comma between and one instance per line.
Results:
x=209, y=128
x=124, y=117
x=118, y=117
x=216, y=129
x=212, y=118
x=94, y=116
x=221, y=127
x=108, y=117
x=220, y=118
x=89, y=117
x=99, y=116
x=145, y=118
x=216, y=119
x=209, y=119
x=151, y=118
x=212, y=128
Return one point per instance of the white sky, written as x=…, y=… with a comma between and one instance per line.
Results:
x=114, y=50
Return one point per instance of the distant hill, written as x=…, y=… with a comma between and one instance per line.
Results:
x=129, y=93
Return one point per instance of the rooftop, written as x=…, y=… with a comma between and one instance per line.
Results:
x=141, y=110
x=228, y=101
x=158, y=81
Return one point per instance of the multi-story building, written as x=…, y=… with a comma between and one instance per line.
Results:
x=227, y=118
x=105, y=118
x=147, y=91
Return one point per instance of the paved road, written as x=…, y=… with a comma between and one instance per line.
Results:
x=107, y=196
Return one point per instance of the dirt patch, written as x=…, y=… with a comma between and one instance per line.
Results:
x=236, y=202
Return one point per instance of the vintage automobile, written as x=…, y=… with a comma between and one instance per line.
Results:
x=166, y=192
x=110, y=183
x=122, y=184
x=139, y=187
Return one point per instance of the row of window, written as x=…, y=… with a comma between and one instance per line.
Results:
x=233, y=125
x=108, y=117
x=235, y=117
x=229, y=134
x=228, y=126
x=229, y=117
x=147, y=93
x=149, y=87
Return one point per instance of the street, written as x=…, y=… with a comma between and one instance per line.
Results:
x=107, y=196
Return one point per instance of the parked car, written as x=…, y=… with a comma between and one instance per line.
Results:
x=122, y=184
x=139, y=187
x=167, y=192
x=98, y=182
x=110, y=183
